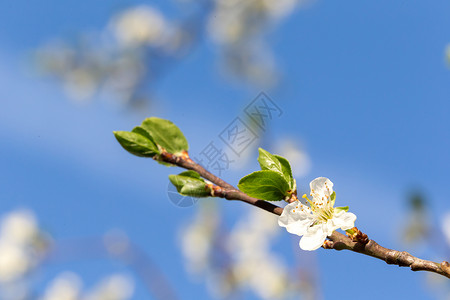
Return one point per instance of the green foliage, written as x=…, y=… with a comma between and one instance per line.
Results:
x=344, y=208
x=286, y=169
x=151, y=137
x=266, y=185
x=333, y=198
x=190, y=183
x=166, y=134
x=276, y=163
x=136, y=144
x=273, y=183
x=143, y=132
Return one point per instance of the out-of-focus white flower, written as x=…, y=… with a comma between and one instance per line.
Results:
x=279, y=8
x=115, y=287
x=196, y=247
x=240, y=27
x=80, y=84
x=235, y=20
x=446, y=227
x=254, y=265
x=14, y=261
x=19, y=227
x=19, y=242
x=141, y=25
x=67, y=286
x=265, y=275
x=318, y=218
x=298, y=158
x=226, y=27
x=252, y=235
x=197, y=240
x=269, y=279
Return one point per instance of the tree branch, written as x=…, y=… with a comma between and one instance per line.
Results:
x=338, y=241
x=394, y=257
x=229, y=192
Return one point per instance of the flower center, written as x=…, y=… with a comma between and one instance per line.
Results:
x=322, y=209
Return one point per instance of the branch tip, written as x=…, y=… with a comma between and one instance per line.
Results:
x=328, y=244
x=357, y=235
x=445, y=266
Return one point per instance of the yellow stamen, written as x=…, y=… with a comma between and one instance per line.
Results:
x=310, y=202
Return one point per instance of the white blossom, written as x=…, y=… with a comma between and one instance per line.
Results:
x=114, y=287
x=14, y=261
x=67, y=286
x=254, y=264
x=139, y=25
x=234, y=20
x=19, y=227
x=279, y=8
x=18, y=233
x=197, y=239
x=317, y=218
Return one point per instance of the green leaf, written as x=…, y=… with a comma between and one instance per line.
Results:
x=143, y=132
x=166, y=134
x=333, y=197
x=136, y=144
x=276, y=163
x=344, y=208
x=190, y=183
x=266, y=185
x=286, y=169
x=191, y=174
x=165, y=163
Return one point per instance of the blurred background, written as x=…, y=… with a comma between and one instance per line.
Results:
x=355, y=91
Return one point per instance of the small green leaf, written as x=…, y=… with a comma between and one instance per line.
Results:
x=191, y=174
x=286, y=169
x=143, y=132
x=166, y=134
x=190, y=183
x=165, y=163
x=333, y=197
x=344, y=208
x=276, y=163
x=136, y=144
x=266, y=185
x=267, y=161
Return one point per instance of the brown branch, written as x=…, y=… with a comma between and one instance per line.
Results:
x=358, y=242
x=394, y=257
x=230, y=192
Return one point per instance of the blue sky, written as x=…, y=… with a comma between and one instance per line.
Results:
x=365, y=88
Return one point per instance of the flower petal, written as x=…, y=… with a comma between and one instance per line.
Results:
x=344, y=220
x=313, y=239
x=321, y=189
x=331, y=226
x=296, y=217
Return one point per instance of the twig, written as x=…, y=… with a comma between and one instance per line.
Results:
x=230, y=192
x=394, y=257
x=358, y=242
